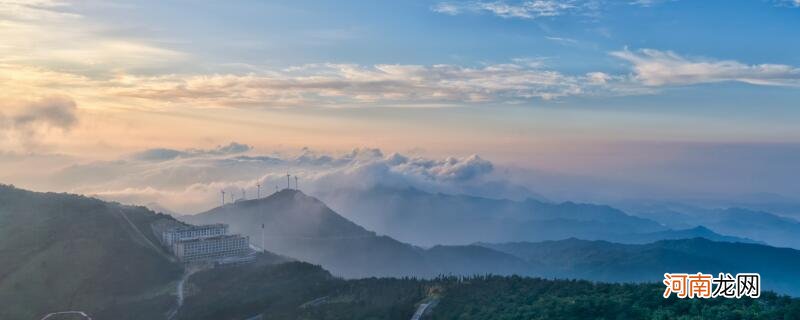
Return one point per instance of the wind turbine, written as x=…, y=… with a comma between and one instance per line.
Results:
x=259, y=190
x=288, y=186
x=295, y=183
x=223, y=196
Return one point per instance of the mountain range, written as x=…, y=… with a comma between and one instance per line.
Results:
x=422, y=218
x=296, y=225
x=66, y=252
x=303, y=227
x=758, y=225
x=614, y=262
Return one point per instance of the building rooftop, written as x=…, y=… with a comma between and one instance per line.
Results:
x=193, y=227
x=213, y=238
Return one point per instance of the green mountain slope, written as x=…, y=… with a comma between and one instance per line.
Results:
x=606, y=261
x=303, y=291
x=66, y=252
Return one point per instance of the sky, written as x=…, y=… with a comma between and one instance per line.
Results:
x=643, y=95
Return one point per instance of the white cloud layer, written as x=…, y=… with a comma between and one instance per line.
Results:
x=190, y=181
x=660, y=68
x=354, y=85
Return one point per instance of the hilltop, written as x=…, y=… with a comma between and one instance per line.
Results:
x=303, y=227
x=69, y=252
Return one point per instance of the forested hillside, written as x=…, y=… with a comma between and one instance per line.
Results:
x=303, y=291
x=67, y=252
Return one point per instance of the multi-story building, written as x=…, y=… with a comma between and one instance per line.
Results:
x=212, y=248
x=188, y=232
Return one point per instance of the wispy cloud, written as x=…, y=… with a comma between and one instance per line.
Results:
x=564, y=41
x=659, y=68
x=534, y=9
x=787, y=3
x=356, y=85
x=524, y=9
x=50, y=32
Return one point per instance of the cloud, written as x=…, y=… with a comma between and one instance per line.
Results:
x=55, y=33
x=563, y=41
x=789, y=3
x=53, y=112
x=30, y=121
x=355, y=85
x=190, y=180
x=524, y=9
x=662, y=68
x=163, y=154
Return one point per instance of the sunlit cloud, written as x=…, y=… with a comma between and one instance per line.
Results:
x=190, y=180
x=659, y=68
x=46, y=32
x=356, y=85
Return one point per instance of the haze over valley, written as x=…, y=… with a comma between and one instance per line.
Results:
x=388, y=160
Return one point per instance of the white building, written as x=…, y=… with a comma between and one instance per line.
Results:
x=187, y=232
x=212, y=248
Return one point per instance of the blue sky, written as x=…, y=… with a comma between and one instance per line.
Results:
x=573, y=38
x=578, y=86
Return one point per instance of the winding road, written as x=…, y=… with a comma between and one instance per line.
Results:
x=81, y=313
x=420, y=311
x=179, y=300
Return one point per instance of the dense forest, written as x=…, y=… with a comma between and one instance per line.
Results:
x=299, y=290
x=494, y=297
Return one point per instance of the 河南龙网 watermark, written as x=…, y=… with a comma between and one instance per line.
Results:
x=701, y=285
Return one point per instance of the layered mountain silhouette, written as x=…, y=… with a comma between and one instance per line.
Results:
x=303, y=227
x=423, y=218
x=65, y=252
x=614, y=262
x=762, y=226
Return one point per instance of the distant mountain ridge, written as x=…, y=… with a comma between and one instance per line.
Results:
x=349, y=250
x=761, y=226
x=303, y=227
x=415, y=216
x=606, y=261
x=65, y=252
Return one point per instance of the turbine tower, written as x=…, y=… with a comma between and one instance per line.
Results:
x=243, y=196
x=295, y=183
x=223, y=196
x=258, y=185
x=288, y=186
